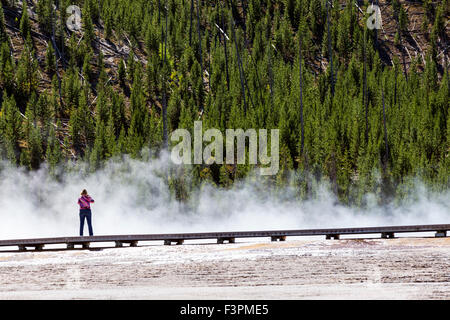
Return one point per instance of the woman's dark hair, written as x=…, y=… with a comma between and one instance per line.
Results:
x=84, y=192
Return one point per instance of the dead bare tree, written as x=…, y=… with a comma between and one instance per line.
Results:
x=199, y=32
x=164, y=110
x=190, y=25
x=226, y=51
x=56, y=57
x=222, y=33
x=302, y=139
x=365, y=98
x=241, y=77
x=330, y=52
x=386, y=156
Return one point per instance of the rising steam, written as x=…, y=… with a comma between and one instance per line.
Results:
x=132, y=197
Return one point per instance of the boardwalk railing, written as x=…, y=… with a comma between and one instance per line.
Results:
x=179, y=238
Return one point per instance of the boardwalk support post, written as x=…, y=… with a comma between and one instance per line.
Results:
x=168, y=242
x=278, y=238
x=387, y=235
x=330, y=236
x=86, y=245
x=70, y=246
x=222, y=240
x=133, y=244
x=441, y=233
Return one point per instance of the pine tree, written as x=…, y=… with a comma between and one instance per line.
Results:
x=403, y=20
x=121, y=146
x=75, y=130
x=3, y=35
x=12, y=127
x=53, y=152
x=25, y=28
x=32, y=155
x=26, y=76
x=88, y=27
x=122, y=73
x=110, y=138
x=44, y=12
x=99, y=150
x=50, y=59
x=71, y=88
x=7, y=69
x=102, y=76
x=87, y=71
x=108, y=28
x=88, y=126
x=136, y=132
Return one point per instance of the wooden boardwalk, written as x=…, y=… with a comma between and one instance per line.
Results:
x=222, y=237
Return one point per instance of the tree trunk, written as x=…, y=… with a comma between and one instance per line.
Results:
x=165, y=139
x=190, y=25
x=302, y=141
x=386, y=156
x=365, y=100
x=330, y=52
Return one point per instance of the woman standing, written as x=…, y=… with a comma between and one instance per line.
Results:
x=85, y=211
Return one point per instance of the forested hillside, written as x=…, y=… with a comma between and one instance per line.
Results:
x=366, y=110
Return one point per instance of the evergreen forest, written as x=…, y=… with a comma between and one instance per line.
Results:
x=364, y=109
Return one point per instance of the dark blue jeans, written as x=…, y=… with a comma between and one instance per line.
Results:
x=86, y=214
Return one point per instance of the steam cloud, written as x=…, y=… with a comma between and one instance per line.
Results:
x=132, y=197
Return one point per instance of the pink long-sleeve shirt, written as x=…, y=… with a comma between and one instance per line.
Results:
x=85, y=202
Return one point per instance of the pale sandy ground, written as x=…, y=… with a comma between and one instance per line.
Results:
x=403, y=268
